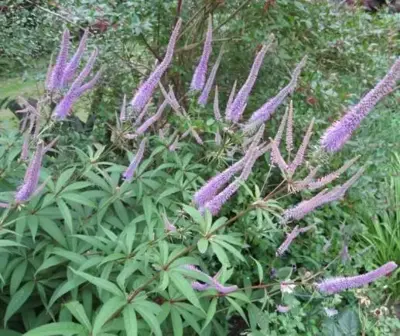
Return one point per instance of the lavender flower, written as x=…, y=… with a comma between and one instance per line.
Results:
x=210, y=81
x=339, y=284
x=230, y=99
x=142, y=114
x=143, y=128
x=282, y=309
x=146, y=90
x=265, y=111
x=278, y=136
x=217, y=113
x=323, y=181
x=25, y=147
x=304, y=183
x=200, y=286
x=277, y=157
x=199, y=76
x=73, y=64
x=31, y=178
x=4, y=205
x=90, y=84
x=211, y=188
x=298, y=159
x=56, y=78
x=236, y=108
x=225, y=289
x=169, y=227
x=128, y=174
x=340, y=132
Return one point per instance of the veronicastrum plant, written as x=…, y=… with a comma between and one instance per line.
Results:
x=153, y=245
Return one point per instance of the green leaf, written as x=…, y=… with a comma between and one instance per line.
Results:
x=239, y=309
x=17, y=276
x=230, y=248
x=58, y=328
x=79, y=313
x=210, y=312
x=9, y=243
x=130, y=321
x=77, y=186
x=259, y=270
x=52, y=229
x=349, y=323
x=100, y=283
x=195, y=214
x=63, y=179
x=8, y=332
x=66, y=287
x=184, y=287
x=220, y=253
x=149, y=318
x=168, y=192
x=78, y=199
x=148, y=211
x=18, y=299
x=202, y=245
x=176, y=319
x=106, y=311
x=66, y=214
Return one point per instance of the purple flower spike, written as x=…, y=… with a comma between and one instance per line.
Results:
x=90, y=84
x=143, y=128
x=56, y=77
x=200, y=73
x=336, y=285
x=236, y=108
x=25, y=147
x=225, y=289
x=266, y=111
x=288, y=241
x=340, y=132
x=4, y=205
x=135, y=162
x=200, y=286
x=217, y=112
x=146, y=90
x=31, y=178
x=210, y=81
x=73, y=64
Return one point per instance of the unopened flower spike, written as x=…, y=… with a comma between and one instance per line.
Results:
x=340, y=132
x=31, y=178
x=339, y=284
x=145, y=91
x=305, y=183
x=265, y=111
x=236, y=108
x=299, y=158
x=199, y=76
x=289, y=129
x=217, y=112
x=277, y=157
x=143, y=128
x=128, y=174
x=278, y=136
x=323, y=181
x=288, y=241
x=230, y=98
x=210, y=81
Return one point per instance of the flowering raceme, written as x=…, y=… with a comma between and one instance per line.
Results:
x=339, y=284
x=340, y=132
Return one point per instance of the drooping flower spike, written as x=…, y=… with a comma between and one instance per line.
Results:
x=339, y=284
x=145, y=91
x=236, y=108
x=31, y=178
x=340, y=132
x=199, y=76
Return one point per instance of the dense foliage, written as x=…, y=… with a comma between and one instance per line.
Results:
x=113, y=242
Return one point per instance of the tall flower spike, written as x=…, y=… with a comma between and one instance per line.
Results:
x=339, y=284
x=85, y=71
x=210, y=81
x=304, y=183
x=289, y=129
x=25, y=146
x=199, y=76
x=73, y=64
x=146, y=90
x=237, y=107
x=90, y=84
x=211, y=188
x=323, y=181
x=340, y=132
x=128, y=174
x=142, y=114
x=31, y=178
x=299, y=158
x=55, y=79
x=278, y=136
x=265, y=111
x=143, y=128
x=217, y=112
